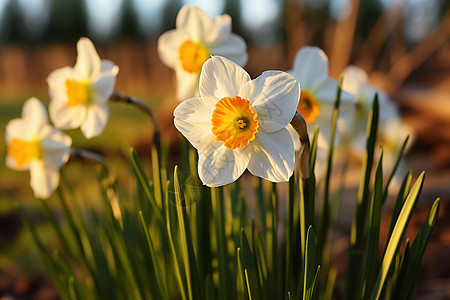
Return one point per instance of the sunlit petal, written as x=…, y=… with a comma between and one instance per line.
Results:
x=273, y=156
x=193, y=120
x=218, y=165
x=43, y=180
x=274, y=96
x=88, y=63
x=96, y=120
x=221, y=78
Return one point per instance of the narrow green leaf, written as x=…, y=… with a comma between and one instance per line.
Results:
x=187, y=249
x=359, y=225
x=221, y=240
x=161, y=291
x=143, y=180
x=417, y=251
x=394, y=169
x=309, y=265
x=371, y=255
x=177, y=260
x=397, y=235
x=402, y=195
x=250, y=269
x=288, y=284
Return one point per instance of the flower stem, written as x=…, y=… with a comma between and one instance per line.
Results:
x=299, y=124
x=92, y=156
x=119, y=97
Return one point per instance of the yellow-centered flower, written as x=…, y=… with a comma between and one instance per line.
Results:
x=35, y=145
x=194, y=40
x=79, y=95
x=316, y=103
x=239, y=123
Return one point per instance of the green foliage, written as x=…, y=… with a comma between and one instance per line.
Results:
x=178, y=239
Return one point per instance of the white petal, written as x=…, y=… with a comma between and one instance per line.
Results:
x=17, y=128
x=108, y=68
x=325, y=91
x=223, y=24
x=168, y=47
x=233, y=48
x=88, y=63
x=43, y=180
x=355, y=80
x=96, y=120
x=187, y=84
x=66, y=117
x=56, y=149
x=310, y=65
x=295, y=137
x=273, y=156
x=195, y=23
x=274, y=96
x=220, y=78
x=103, y=88
x=219, y=165
x=34, y=115
x=58, y=77
x=193, y=120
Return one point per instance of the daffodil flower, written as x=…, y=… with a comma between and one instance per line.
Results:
x=35, y=145
x=194, y=40
x=238, y=123
x=79, y=95
x=318, y=94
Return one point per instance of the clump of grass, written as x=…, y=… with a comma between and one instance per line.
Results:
x=178, y=239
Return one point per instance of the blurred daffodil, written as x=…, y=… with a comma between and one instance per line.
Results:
x=79, y=95
x=238, y=123
x=391, y=130
x=35, y=145
x=318, y=94
x=356, y=81
x=194, y=40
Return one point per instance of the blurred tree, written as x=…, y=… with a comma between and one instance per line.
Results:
x=170, y=12
x=68, y=20
x=233, y=8
x=13, y=23
x=129, y=25
x=368, y=14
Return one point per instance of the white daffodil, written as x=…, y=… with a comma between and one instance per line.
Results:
x=79, y=95
x=36, y=146
x=317, y=99
x=238, y=123
x=194, y=40
x=318, y=94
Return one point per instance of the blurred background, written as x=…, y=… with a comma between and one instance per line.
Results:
x=404, y=45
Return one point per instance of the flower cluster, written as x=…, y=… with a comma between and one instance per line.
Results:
x=234, y=122
x=79, y=97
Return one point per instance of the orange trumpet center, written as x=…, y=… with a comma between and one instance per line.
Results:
x=192, y=56
x=234, y=122
x=307, y=107
x=78, y=92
